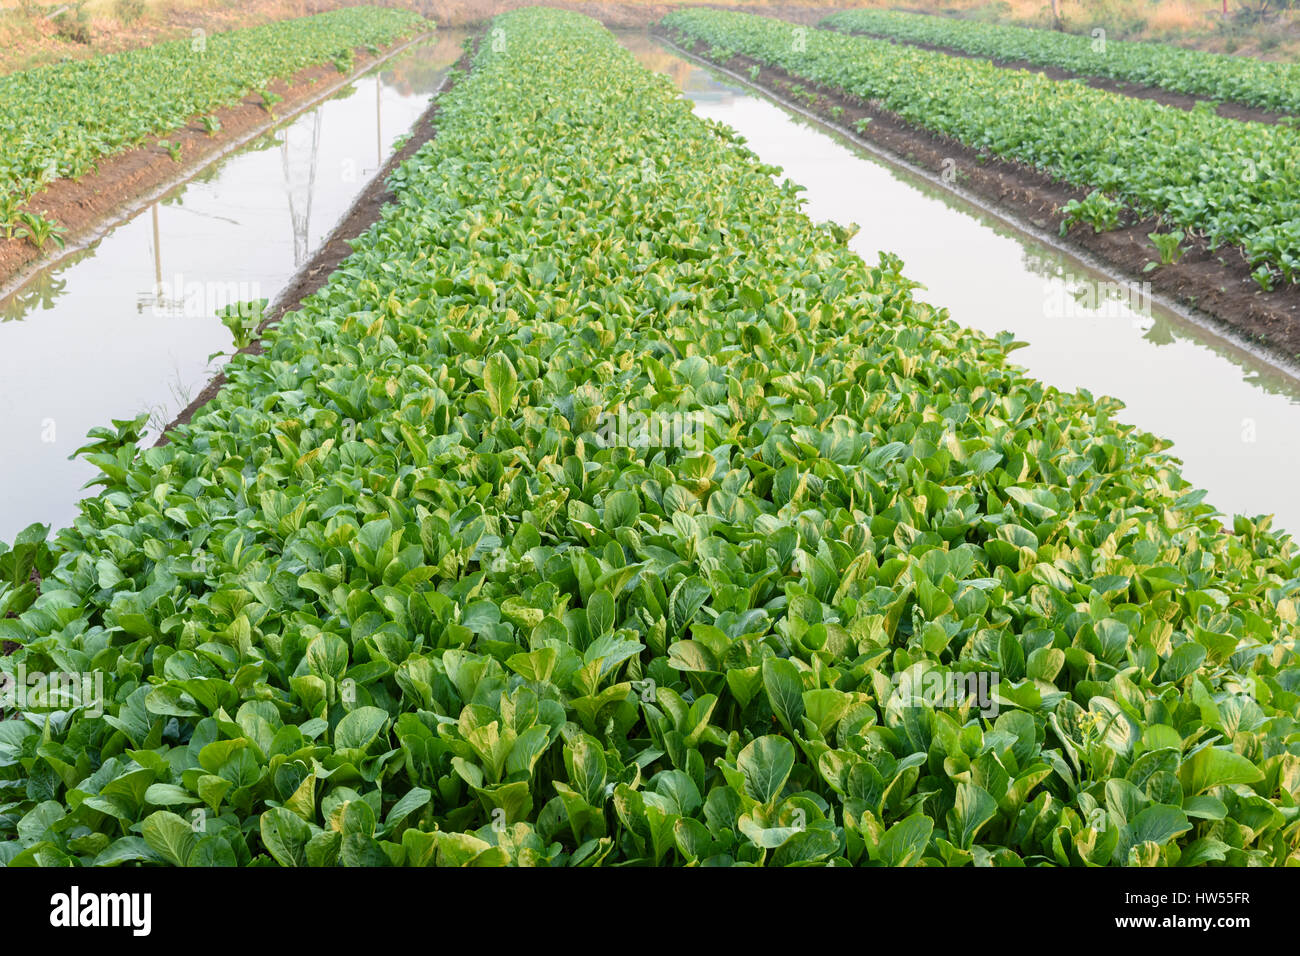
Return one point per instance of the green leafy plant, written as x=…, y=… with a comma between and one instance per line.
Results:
x=22, y=564
x=268, y=98
x=210, y=123
x=38, y=230
x=1098, y=210
x=173, y=148
x=243, y=320
x=10, y=206
x=1168, y=244
x=418, y=587
x=1212, y=75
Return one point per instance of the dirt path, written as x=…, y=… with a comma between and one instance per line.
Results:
x=88, y=207
x=1216, y=285
x=1182, y=101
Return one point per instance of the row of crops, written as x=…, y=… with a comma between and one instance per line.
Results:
x=1274, y=86
x=59, y=121
x=1231, y=182
x=603, y=509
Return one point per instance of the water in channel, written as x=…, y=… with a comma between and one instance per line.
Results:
x=1234, y=418
x=128, y=325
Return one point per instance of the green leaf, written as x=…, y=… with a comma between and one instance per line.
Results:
x=285, y=836
x=784, y=687
x=806, y=847
x=766, y=763
x=1159, y=824
x=974, y=807
x=685, y=602
x=1213, y=767
x=904, y=843
x=501, y=382
x=359, y=728
x=170, y=836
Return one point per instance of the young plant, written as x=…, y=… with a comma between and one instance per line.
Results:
x=1096, y=209
x=10, y=206
x=38, y=230
x=269, y=99
x=1168, y=244
x=243, y=320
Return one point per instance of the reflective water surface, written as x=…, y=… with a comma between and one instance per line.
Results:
x=127, y=325
x=1234, y=418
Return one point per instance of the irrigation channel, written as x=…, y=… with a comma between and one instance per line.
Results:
x=128, y=324
x=1233, y=415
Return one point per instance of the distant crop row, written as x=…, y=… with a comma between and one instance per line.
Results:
x=1232, y=182
x=59, y=121
x=603, y=509
x=1246, y=80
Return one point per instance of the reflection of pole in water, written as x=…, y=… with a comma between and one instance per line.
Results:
x=161, y=299
x=157, y=258
x=299, y=149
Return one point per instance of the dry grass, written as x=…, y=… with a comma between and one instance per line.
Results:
x=1175, y=16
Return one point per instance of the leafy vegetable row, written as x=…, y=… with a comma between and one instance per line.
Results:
x=60, y=120
x=603, y=509
x=1232, y=182
x=1240, y=79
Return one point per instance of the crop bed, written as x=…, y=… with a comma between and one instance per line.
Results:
x=60, y=121
x=602, y=509
x=1230, y=182
x=1272, y=86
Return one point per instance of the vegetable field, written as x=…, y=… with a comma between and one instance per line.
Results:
x=59, y=121
x=602, y=509
x=1232, y=182
x=1274, y=86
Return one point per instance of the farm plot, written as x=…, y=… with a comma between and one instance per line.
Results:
x=59, y=121
x=1274, y=86
x=1232, y=182
x=602, y=508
